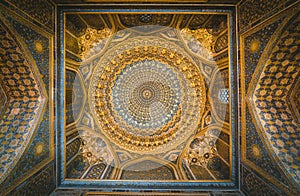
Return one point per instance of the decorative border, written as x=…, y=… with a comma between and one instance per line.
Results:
x=144, y=185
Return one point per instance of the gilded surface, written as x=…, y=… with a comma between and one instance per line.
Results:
x=150, y=91
x=157, y=106
x=140, y=108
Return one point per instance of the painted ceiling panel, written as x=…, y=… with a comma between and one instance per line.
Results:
x=145, y=96
x=149, y=100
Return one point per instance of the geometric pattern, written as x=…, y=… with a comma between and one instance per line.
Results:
x=206, y=36
x=88, y=156
x=156, y=90
x=223, y=95
x=203, y=159
x=282, y=140
x=144, y=96
x=264, y=47
x=40, y=149
x=43, y=183
x=254, y=151
x=26, y=101
x=86, y=34
x=39, y=10
x=251, y=10
x=258, y=155
x=3, y=99
x=253, y=185
x=269, y=100
x=145, y=19
x=293, y=99
x=219, y=94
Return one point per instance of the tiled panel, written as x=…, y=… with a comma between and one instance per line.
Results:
x=270, y=98
x=40, y=10
x=43, y=183
x=36, y=46
x=252, y=12
x=269, y=61
x=253, y=185
x=3, y=99
x=27, y=100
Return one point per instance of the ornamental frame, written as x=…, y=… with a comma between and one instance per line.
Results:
x=124, y=185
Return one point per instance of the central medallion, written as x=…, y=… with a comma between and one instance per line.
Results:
x=147, y=95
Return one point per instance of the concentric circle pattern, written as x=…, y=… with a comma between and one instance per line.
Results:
x=153, y=91
x=147, y=95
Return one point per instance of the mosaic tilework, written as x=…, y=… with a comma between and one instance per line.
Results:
x=257, y=46
x=41, y=184
x=251, y=11
x=252, y=185
x=3, y=99
x=26, y=104
x=221, y=43
x=196, y=22
x=39, y=151
x=293, y=99
x=206, y=35
x=258, y=154
x=38, y=45
x=40, y=10
x=76, y=26
x=77, y=167
x=88, y=156
x=254, y=45
x=73, y=148
x=270, y=103
x=217, y=24
x=70, y=77
x=96, y=171
x=155, y=100
x=145, y=19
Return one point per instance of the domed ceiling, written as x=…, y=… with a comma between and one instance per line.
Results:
x=151, y=97
x=147, y=97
